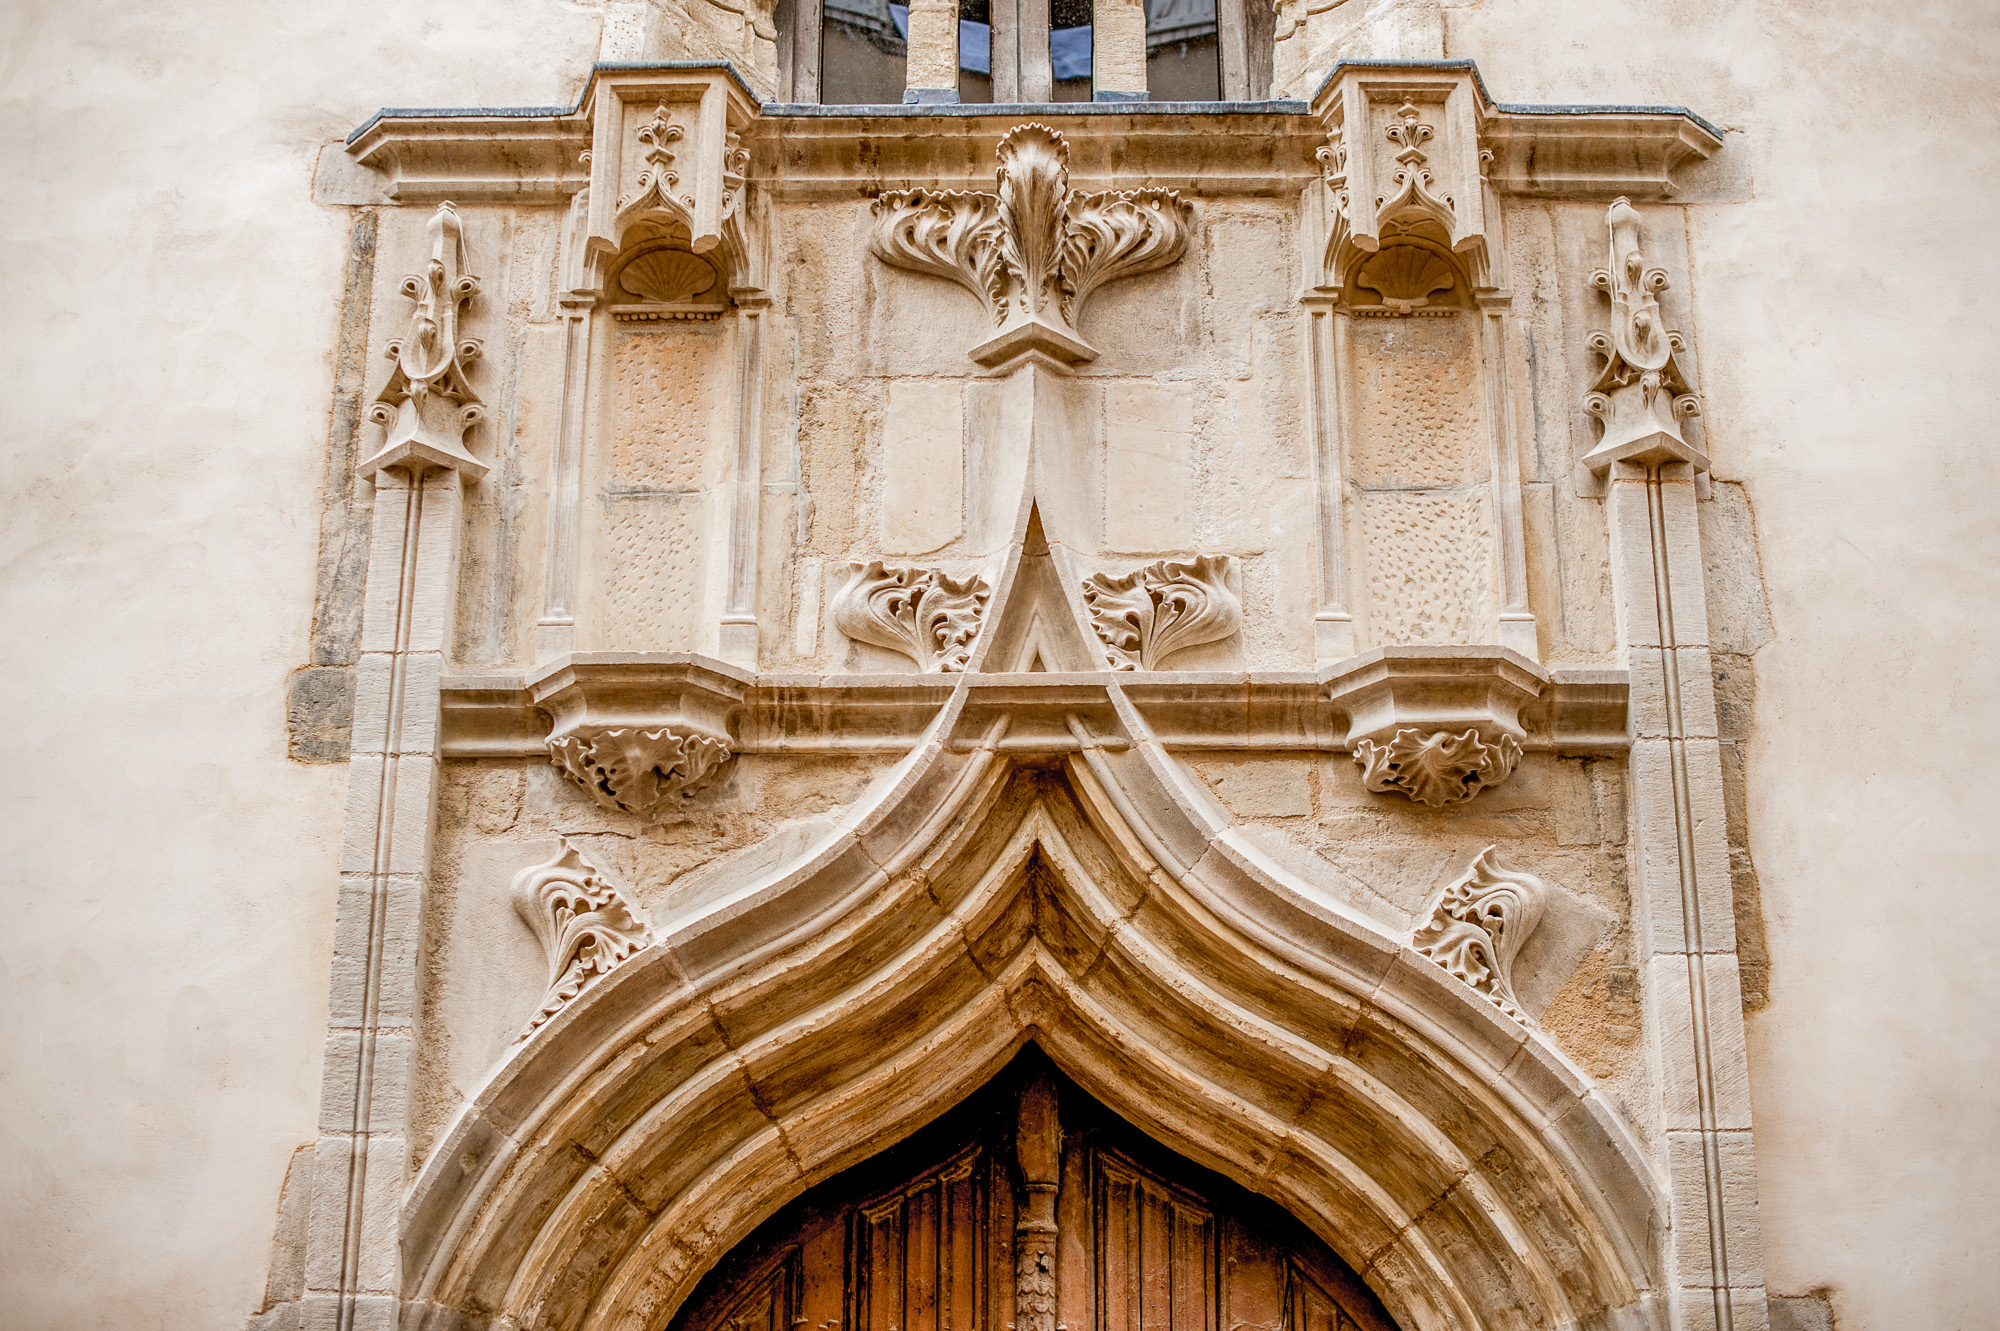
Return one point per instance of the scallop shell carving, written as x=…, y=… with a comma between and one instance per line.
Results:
x=667, y=276
x=1405, y=277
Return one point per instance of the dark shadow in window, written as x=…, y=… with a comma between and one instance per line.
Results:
x=863, y=52
x=1069, y=50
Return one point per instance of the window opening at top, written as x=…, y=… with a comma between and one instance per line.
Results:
x=1069, y=50
x=863, y=52
x=975, y=50
x=1183, y=57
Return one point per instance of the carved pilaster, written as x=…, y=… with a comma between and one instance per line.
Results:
x=428, y=403
x=1478, y=925
x=924, y=613
x=583, y=922
x=1035, y=250
x=1149, y=614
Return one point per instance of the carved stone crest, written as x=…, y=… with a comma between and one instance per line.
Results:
x=1035, y=250
x=1436, y=767
x=923, y=613
x=1479, y=924
x=584, y=923
x=428, y=404
x=1149, y=614
x=1640, y=395
x=637, y=770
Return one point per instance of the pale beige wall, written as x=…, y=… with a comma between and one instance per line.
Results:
x=172, y=297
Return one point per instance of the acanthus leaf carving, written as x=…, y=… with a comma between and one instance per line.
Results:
x=1640, y=395
x=428, y=403
x=1478, y=926
x=1034, y=250
x=923, y=613
x=584, y=923
x=1150, y=613
x=1436, y=768
x=637, y=770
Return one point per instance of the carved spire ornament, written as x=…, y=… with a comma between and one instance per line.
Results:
x=1151, y=613
x=921, y=612
x=638, y=770
x=1035, y=250
x=428, y=404
x=585, y=925
x=1436, y=767
x=1640, y=395
x=1479, y=924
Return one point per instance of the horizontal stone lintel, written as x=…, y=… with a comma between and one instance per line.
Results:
x=498, y=716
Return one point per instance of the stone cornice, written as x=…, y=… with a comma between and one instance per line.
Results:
x=1571, y=711
x=533, y=154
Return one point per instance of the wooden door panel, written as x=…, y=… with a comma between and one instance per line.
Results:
x=927, y=1237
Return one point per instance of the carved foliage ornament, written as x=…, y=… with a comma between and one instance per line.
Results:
x=1436, y=767
x=1640, y=395
x=428, y=404
x=1149, y=614
x=1035, y=250
x=921, y=612
x=638, y=770
x=1479, y=925
x=585, y=925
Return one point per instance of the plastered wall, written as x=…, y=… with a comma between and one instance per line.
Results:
x=171, y=350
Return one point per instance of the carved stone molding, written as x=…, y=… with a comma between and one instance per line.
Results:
x=924, y=613
x=1149, y=614
x=584, y=923
x=1035, y=250
x=637, y=771
x=1640, y=395
x=428, y=404
x=1479, y=924
x=1436, y=768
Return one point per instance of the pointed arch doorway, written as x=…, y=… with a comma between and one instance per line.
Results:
x=1030, y=1206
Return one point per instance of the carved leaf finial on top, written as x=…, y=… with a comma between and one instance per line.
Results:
x=1413, y=186
x=1478, y=927
x=637, y=770
x=1034, y=250
x=923, y=613
x=1640, y=395
x=1150, y=613
x=584, y=923
x=1436, y=767
x=428, y=403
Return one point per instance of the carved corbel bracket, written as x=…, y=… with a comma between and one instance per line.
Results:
x=924, y=613
x=1147, y=615
x=1437, y=724
x=1477, y=928
x=1403, y=165
x=667, y=150
x=1035, y=250
x=1640, y=396
x=586, y=926
x=639, y=732
x=428, y=403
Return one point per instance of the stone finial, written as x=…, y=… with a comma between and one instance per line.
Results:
x=428, y=404
x=1640, y=395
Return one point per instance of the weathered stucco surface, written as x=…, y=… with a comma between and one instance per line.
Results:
x=176, y=335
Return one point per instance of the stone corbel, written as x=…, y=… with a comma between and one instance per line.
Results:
x=1436, y=724
x=1147, y=615
x=1478, y=925
x=585, y=925
x=924, y=613
x=428, y=403
x=1641, y=397
x=639, y=733
x=1035, y=250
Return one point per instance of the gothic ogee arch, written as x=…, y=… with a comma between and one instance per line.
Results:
x=1088, y=896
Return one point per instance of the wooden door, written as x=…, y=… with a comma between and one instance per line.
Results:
x=1031, y=1207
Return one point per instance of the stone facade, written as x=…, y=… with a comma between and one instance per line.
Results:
x=1319, y=611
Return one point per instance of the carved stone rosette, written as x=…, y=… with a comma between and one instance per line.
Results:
x=1034, y=250
x=1149, y=614
x=1478, y=926
x=428, y=404
x=923, y=613
x=584, y=923
x=1436, y=767
x=1640, y=395
x=637, y=770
